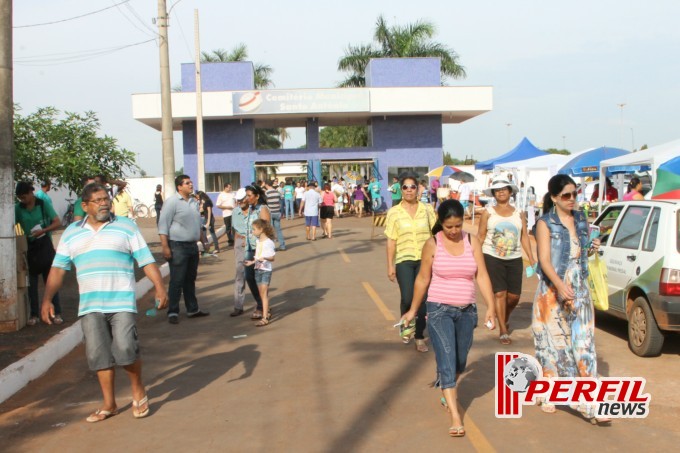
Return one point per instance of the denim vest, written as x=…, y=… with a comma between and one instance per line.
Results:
x=560, y=243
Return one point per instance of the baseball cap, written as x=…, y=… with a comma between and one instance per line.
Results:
x=240, y=194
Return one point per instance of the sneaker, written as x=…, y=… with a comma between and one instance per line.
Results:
x=32, y=321
x=282, y=248
x=58, y=320
x=236, y=312
x=173, y=319
x=198, y=314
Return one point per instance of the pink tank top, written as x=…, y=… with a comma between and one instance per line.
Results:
x=453, y=276
x=328, y=199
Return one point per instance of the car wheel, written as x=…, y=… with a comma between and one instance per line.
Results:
x=644, y=337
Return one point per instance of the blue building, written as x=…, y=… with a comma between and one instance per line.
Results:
x=403, y=108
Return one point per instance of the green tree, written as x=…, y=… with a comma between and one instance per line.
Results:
x=64, y=148
x=557, y=151
x=411, y=40
x=450, y=160
x=343, y=137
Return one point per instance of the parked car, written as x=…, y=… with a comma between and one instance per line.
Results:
x=641, y=248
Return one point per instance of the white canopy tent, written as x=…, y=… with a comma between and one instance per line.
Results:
x=652, y=157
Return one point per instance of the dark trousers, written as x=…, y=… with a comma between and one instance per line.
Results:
x=406, y=277
x=158, y=208
x=33, y=294
x=227, y=226
x=250, y=279
x=183, y=272
x=396, y=201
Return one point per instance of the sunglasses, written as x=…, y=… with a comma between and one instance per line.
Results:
x=409, y=186
x=566, y=196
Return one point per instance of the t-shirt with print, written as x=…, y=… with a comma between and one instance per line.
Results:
x=288, y=192
x=264, y=249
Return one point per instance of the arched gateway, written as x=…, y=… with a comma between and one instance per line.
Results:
x=402, y=107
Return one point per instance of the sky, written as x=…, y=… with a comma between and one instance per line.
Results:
x=559, y=70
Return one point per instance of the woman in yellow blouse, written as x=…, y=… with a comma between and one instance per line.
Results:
x=408, y=226
x=122, y=203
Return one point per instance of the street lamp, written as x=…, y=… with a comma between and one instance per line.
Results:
x=621, y=106
x=508, y=125
x=632, y=140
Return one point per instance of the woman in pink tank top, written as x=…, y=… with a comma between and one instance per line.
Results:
x=451, y=262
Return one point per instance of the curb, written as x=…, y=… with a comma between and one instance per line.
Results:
x=19, y=374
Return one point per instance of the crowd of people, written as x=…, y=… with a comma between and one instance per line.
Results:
x=437, y=265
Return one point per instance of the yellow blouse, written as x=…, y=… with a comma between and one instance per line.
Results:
x=410, y=233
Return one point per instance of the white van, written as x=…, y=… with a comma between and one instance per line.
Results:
x=641, y=247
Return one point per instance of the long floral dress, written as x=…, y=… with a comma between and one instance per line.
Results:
x=564, y=331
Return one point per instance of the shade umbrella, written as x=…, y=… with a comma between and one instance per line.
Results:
x=588, y=163
x=444, y=170
x=462, y=176
x=667, y=185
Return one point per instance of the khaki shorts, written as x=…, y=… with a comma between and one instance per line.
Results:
x=359, y=204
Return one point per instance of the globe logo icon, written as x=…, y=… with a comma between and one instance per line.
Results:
x=520, y=372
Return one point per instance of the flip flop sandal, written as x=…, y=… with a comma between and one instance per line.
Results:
x=136, y=405
x=457, y=431
x=263, y=322
x=256, y=315
x=100, y=415
x=505, y=339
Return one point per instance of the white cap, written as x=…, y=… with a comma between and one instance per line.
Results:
x=240, y=194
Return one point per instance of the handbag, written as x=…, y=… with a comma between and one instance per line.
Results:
x=597, y=282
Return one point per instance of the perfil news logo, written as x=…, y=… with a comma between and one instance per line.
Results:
x=520, y=382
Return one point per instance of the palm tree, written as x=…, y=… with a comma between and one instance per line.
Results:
x=262, y=72
x=411, y=40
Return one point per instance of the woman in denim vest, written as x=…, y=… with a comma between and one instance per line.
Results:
x=258, y=210
x=563, y=319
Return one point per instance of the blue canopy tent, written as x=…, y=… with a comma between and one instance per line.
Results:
x=588, y=163
x=525, y=150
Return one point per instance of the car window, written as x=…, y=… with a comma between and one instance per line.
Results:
x=607, y=221
x=649, y=243
x=630, y=228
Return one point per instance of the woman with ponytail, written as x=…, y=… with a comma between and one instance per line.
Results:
x=634, y=188
x=451, y=262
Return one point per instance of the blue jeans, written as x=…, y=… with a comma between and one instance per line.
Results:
x=290, y=208
x=183, y=272
x=276, y=223
x=450, y=330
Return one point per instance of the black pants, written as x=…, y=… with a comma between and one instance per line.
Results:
x=250, y=279
x=33, y=294
x=407, y=271
x=227, y=226
x=183, y=272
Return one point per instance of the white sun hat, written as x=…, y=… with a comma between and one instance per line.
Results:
x=499, y=184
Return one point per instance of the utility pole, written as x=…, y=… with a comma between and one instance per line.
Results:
x=621, y=106
x=166, y=102
x=9, y=314
x=200, y=161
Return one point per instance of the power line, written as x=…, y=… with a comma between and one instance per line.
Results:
x=71, y=18
x=139, y=19
x=72, y=57
x=184, y=38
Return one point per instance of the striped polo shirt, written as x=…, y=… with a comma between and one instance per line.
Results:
x=409, y=233
x=104, y=261
x=273, y=201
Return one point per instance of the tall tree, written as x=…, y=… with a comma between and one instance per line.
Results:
x=411, y=40
x=64, y=148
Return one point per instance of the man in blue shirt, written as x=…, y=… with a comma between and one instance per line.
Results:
x=376, y=199
x=180, y=228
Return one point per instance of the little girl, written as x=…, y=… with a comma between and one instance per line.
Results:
x=265, y=250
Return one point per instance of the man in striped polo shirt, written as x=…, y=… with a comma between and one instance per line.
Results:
x=103, y=248
x=274, y=205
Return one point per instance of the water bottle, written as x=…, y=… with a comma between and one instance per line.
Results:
x=153, y=311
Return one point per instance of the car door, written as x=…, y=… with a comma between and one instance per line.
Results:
x=621, y=252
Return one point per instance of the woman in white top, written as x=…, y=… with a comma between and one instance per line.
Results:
x=502, y=231
x=299, y=193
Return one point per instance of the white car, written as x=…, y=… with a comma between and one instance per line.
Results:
x=641, y=248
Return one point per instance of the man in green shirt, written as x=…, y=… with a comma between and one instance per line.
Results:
x=38, y=220
x=395, y=188
x=42, y=193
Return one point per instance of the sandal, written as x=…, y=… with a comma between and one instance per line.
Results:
x=546, y=407
x=262, y=322
x=137, y=412
x=505, y=339
x=421, y=346
x=457, y=431
x=100, y=415
x=256, y=315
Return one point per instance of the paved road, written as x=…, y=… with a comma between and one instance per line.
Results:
x=329, y=374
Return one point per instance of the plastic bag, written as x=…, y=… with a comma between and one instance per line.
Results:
x=597, y=281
